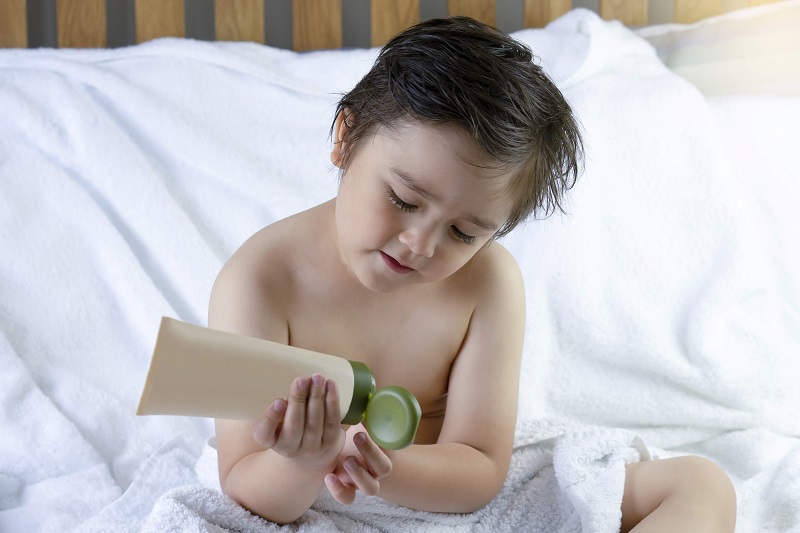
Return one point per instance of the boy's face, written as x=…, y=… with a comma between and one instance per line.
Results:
x=414, y=205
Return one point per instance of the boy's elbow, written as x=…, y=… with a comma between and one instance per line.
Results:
x=233, y=491
x=497, y=479
x=229, y=489
x=280, y=519
x=492, y=490
x=485, y=490
x=478, y=499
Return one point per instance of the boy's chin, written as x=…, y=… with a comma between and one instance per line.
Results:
x=383, y=286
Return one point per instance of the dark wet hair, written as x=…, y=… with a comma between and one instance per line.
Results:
x=457, y=70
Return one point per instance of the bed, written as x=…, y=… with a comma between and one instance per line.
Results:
x=663, y=309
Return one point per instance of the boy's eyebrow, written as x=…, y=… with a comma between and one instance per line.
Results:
x=485, y=224
x=409, y=182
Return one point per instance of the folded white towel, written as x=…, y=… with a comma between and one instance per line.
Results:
x=9, y=491
x=563, y=478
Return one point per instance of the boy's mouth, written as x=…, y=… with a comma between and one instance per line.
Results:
x=395, y=265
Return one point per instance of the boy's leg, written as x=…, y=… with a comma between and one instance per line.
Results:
x=678, y=494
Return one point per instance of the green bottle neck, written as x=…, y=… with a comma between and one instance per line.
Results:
x=363, y=389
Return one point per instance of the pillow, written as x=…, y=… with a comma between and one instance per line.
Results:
x=749, y=51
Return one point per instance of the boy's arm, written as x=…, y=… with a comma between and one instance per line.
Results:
x=469, y=463
x=267, y=483
x=262, y=480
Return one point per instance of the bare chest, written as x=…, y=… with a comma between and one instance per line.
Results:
x=404, y=341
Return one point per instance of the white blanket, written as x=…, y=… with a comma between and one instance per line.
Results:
x=666, y=303
x=562, y=478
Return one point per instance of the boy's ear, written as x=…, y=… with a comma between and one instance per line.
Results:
x=339, y=131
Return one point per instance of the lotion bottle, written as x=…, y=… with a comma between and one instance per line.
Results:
x=198, y=371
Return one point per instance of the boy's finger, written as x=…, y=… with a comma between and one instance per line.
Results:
x=343, y=476
x=363, y=478
x=315, y=411
x=333, y=423
x=265, y=430
x=295, y=419
x=376, y=459
x=340, y=492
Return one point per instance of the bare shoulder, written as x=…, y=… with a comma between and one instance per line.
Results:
x=252, y=292
x=498, y=292
x=494, y=271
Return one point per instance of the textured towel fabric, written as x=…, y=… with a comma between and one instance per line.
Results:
x=563, y=478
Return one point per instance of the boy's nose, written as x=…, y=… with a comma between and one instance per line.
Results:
x=420, y=240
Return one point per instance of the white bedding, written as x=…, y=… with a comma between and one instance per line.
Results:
x=749, y=51
x=667, y=302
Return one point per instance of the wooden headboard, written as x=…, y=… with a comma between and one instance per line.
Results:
x=311, y=24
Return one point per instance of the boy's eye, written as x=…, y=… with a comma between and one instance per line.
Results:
x=466, y=239
x=405, y=206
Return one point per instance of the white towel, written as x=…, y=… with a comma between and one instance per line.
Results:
x=665, y=298
x=563, y=478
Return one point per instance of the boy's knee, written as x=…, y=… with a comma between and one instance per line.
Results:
x=710, y=485
x=690, y=489
x=707, y=476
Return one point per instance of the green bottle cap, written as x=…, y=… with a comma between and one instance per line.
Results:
x=363, y=389
x=392, y=417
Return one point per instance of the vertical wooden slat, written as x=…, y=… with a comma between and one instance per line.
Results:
x=159, y=18
x=239, y=20
x=629, y=12
x=481, y=10
x=13, y=26
x=81, y=23
x=390, y=17
x=688, y=11
x=540, y=12
x=316, y=24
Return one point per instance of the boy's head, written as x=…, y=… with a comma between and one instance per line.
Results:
x=457, y=70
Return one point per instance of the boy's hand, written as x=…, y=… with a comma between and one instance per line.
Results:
x=307, y=428
x=359, y=473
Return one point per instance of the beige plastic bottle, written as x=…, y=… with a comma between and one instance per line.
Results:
x=198, y=371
